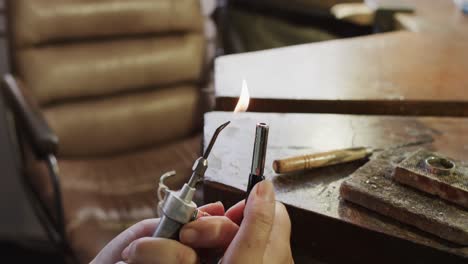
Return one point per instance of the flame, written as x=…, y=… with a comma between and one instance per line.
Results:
x=244, y=99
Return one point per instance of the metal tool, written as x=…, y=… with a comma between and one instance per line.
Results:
x=258, y=158
x=323, y=159
x=177, y=207
x=317, y=160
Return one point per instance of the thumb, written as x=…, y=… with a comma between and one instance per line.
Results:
x=252, y=238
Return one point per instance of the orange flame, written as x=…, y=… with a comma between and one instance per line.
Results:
x=244, y=99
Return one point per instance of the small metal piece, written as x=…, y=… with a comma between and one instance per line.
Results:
x=53, y=164
x=439, y=166
x=259, y=155
x=259, y=152
x=162, y=187
x=198, y=171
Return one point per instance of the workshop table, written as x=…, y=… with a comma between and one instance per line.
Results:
x=323, y=225
x=399, y=73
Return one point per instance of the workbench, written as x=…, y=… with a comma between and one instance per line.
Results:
x=323, y=225
x=399, y=73
x=381, y=91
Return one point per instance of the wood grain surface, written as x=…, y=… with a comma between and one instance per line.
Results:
x=322, y=223
x=393, y=73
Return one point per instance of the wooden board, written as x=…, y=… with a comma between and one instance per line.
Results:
x=400, y=73
x=323, y=224
x=374, y=187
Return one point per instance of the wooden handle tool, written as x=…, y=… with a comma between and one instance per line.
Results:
x=317, y=160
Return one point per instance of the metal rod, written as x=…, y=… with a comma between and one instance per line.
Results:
x=259, y=152
x=213, y=139
x=259, y=155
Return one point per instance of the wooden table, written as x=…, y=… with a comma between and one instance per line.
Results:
x=323, y=225
x=400, y=73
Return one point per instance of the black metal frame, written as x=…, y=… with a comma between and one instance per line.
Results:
x=26, y=135
x=30, y=129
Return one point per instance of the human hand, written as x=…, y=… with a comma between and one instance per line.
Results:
x=261, y=236
x=135, y=244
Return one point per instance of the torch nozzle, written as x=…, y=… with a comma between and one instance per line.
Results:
x=213, y=139
x=201, y=164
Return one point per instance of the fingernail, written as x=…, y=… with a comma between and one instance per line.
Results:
x=265, y=190
x=201, y=214
x=189, y=235
x=126, y=252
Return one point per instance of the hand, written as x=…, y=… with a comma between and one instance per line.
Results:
x=135, y=245
x=262, y=236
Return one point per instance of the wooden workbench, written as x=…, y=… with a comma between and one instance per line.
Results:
x=324, y=226
x=400, y=73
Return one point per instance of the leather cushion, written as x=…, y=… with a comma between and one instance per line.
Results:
x=80, y=70
x=127, y=121
x=41, y=21
x=104, y=196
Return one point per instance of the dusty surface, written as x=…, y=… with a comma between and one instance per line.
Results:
x=372, y=186
x=452, y=187
x=316, y=193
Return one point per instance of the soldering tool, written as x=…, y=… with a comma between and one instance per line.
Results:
x=177, y=207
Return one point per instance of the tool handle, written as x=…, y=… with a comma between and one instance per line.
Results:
x=317, y=160
x=168, y=228
x=253, y=179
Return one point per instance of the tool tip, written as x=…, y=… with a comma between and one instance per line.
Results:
x=221, y=127
x=213, y=139
x=225, y=124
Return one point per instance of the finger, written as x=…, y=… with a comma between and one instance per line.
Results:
x=250, y=242
x=282, y=223
x=112, y=251
x=236, y=212
x=279, y=247
x=214, y=232
x=213, y=208
x=149, y=250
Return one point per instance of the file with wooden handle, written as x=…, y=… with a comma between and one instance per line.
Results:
x=317, y=160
